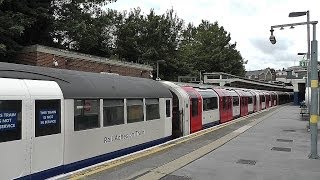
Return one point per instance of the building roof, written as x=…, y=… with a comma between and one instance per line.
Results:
x=85, y=85
x=257, y=72
x=76, y=56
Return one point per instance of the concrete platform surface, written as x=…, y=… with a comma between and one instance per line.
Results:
x=276, y=148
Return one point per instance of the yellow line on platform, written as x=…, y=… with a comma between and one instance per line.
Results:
x=144, y=153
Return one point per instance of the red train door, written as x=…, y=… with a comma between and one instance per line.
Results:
x=223, y=109
x=244, y=106
x=267, y=101
x=225, y=105
x=254, y=103
x=195, y=109
x=230, y=115
x=247, y=105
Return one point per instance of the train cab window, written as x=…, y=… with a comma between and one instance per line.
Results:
x=152, y=109
x=263, y=99
x=194, y=102
x=10, y=120
x=167, y=108
x=47, y=117
x=235, y=101
x=250, y=100
x=113, y=112
x=134, y=110
x=86, y=114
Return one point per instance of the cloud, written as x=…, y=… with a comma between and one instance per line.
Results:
x=267, y=48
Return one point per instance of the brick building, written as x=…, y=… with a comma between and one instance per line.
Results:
x=267, y=75
x=38, y=55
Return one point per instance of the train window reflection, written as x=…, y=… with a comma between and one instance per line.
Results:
x=86, y=114
x=113, y=112
x=152, y=109
x=134, y=110
x=10, y=120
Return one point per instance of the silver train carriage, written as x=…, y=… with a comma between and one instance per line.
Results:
x=54, y=121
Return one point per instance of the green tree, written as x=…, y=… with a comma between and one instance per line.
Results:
x=208, y=47
x=128, y=33
x=83, y=26
x=23, y=22
x=28, y=22
x=149, y=38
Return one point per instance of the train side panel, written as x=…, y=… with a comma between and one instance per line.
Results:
x=210, y=110
x=14, y=141
x=47, y=128
x=108, y=141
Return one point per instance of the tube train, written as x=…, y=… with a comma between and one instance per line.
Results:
x=54, y=121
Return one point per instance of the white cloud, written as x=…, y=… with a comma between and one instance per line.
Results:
x=249, y=23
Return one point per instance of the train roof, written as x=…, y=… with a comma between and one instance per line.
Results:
x=77, y=84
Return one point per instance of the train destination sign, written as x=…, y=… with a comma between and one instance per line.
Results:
x=48, y=117
x=8, y=120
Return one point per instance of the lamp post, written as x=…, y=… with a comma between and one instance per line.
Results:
x=313, y=81
x=159, y=61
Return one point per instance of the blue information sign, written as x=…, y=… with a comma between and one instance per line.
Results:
x=8, y=120
x=48, y=117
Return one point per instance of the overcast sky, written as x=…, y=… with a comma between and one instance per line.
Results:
x=249, y=23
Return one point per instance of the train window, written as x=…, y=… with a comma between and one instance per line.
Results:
x=214, y=102
x=249, y=100
x=152, y=109
x=134, y=110
x=205, y=104
x=194, y=102
x=215, y=76
x=167, y=108
x=235, y=101
x=113, y=112
x=210, y=103
x=263, y=99
x=47, y=117
x=10, y=120
x=86, y=114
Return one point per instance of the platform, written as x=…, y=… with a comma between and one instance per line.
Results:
x=272, y=144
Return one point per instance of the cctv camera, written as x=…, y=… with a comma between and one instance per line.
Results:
x=272, y=39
